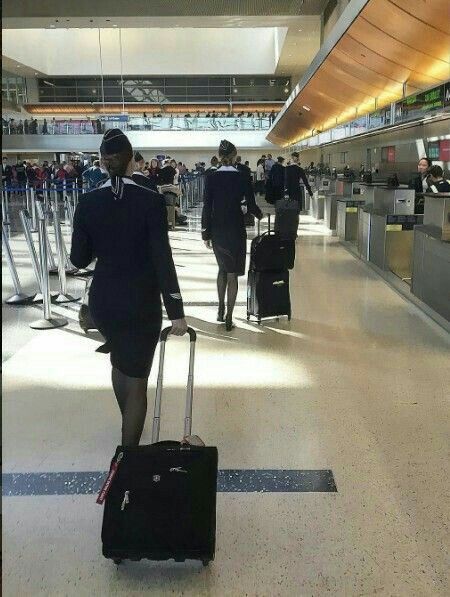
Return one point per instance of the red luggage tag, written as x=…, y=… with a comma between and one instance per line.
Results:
x=107, y=484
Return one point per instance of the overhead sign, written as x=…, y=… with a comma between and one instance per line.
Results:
x=115, y=118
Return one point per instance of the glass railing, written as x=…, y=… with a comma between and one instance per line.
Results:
x=165, y=123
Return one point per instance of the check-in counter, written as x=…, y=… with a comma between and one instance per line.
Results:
x=347, y=218
x=437, y=213
x=327, y=185
x=348, y=188
x=317, y=205
x=330, y=212
x=431, y=261
x=431, y=269
x=394, y=200
x=391, y=242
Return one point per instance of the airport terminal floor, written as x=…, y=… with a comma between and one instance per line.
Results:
x=332, y=431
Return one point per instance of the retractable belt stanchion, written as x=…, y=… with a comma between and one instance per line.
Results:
x=48, y=321
x=53, y=268
x=5, y=207
x=63, y=296
x=19, y=298
x=33, y=210
x=26, y=219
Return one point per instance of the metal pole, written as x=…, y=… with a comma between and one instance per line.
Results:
x=5, y=207
x=63, y=296
x=19, y=298
x=53, y=268
x=33, y=210
x=48, y=322
x=25, y=219
x=101, y=66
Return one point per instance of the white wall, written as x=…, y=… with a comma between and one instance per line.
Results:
x=145, y=51
x=142, y=140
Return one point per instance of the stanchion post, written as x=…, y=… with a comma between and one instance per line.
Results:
x=5, y=207
x=48, y=322
x=33, y=210
x=19, y=297
x=53, y=268
x=25, y=219
x=63, y=296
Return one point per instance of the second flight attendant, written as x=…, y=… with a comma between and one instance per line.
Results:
x=228, y=196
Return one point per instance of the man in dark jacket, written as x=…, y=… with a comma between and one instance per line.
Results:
x=242, y=167
x=277, y=179
x=295, y=174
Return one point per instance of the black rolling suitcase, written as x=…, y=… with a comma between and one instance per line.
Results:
x=268, y=276
x=269, y=252
x=160, y=499
x=287, y=218
x=268, y=294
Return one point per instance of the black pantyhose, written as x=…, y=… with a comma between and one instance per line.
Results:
x=131, y=395
x=221, y=288
x=232, y=290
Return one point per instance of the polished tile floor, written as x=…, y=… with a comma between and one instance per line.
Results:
x=357, y=384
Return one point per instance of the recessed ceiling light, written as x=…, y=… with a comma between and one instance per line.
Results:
x=307, y=108
x=300, y=29
x=114, y=25
x=52, y=26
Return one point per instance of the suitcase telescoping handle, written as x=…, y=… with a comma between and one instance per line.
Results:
x=268, y=225
x=159, y=386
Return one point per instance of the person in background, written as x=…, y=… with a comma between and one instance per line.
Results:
x=228, y=196
x=153, y=172
x=94, y=175
x=260, y=177
x=45, y=127
x=420, y=183
x=295, y=174
x=7, y=173
x=21, y=174
x=181, y=168
x=213, y=167
x=277, y=179
x=46, y=171
x=166, y=174
x=272, y=117
x=269, y=162
x=242, y=167
x=247, y=163
x=124, y=226
x=436, y=181
x=70, y=170
x=174, y=165
x=139, y=175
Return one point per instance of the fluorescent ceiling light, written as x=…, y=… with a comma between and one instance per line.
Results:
x=307, y=108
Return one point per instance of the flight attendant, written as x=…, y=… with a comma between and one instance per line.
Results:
x=124, y=226
x=228, y=196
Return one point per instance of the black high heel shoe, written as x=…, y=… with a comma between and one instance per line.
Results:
x=229, y=325
x=221, y=314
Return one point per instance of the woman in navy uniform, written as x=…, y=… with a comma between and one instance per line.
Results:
x=228, y=196
x=124, y=226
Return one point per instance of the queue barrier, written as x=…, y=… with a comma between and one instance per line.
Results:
x=19, y=297
x=47, y=321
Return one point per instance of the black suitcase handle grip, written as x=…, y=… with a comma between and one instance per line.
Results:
x=166, y=331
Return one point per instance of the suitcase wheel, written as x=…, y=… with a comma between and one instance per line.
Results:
x=205, y=562
x=117, y=561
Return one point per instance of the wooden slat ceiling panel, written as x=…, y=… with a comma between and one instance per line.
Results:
x=433, y=12
x=387, y=44
x=389, y=20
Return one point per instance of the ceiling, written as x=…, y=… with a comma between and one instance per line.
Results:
x=376, y=47
x=299, y=19
x=16, y=13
